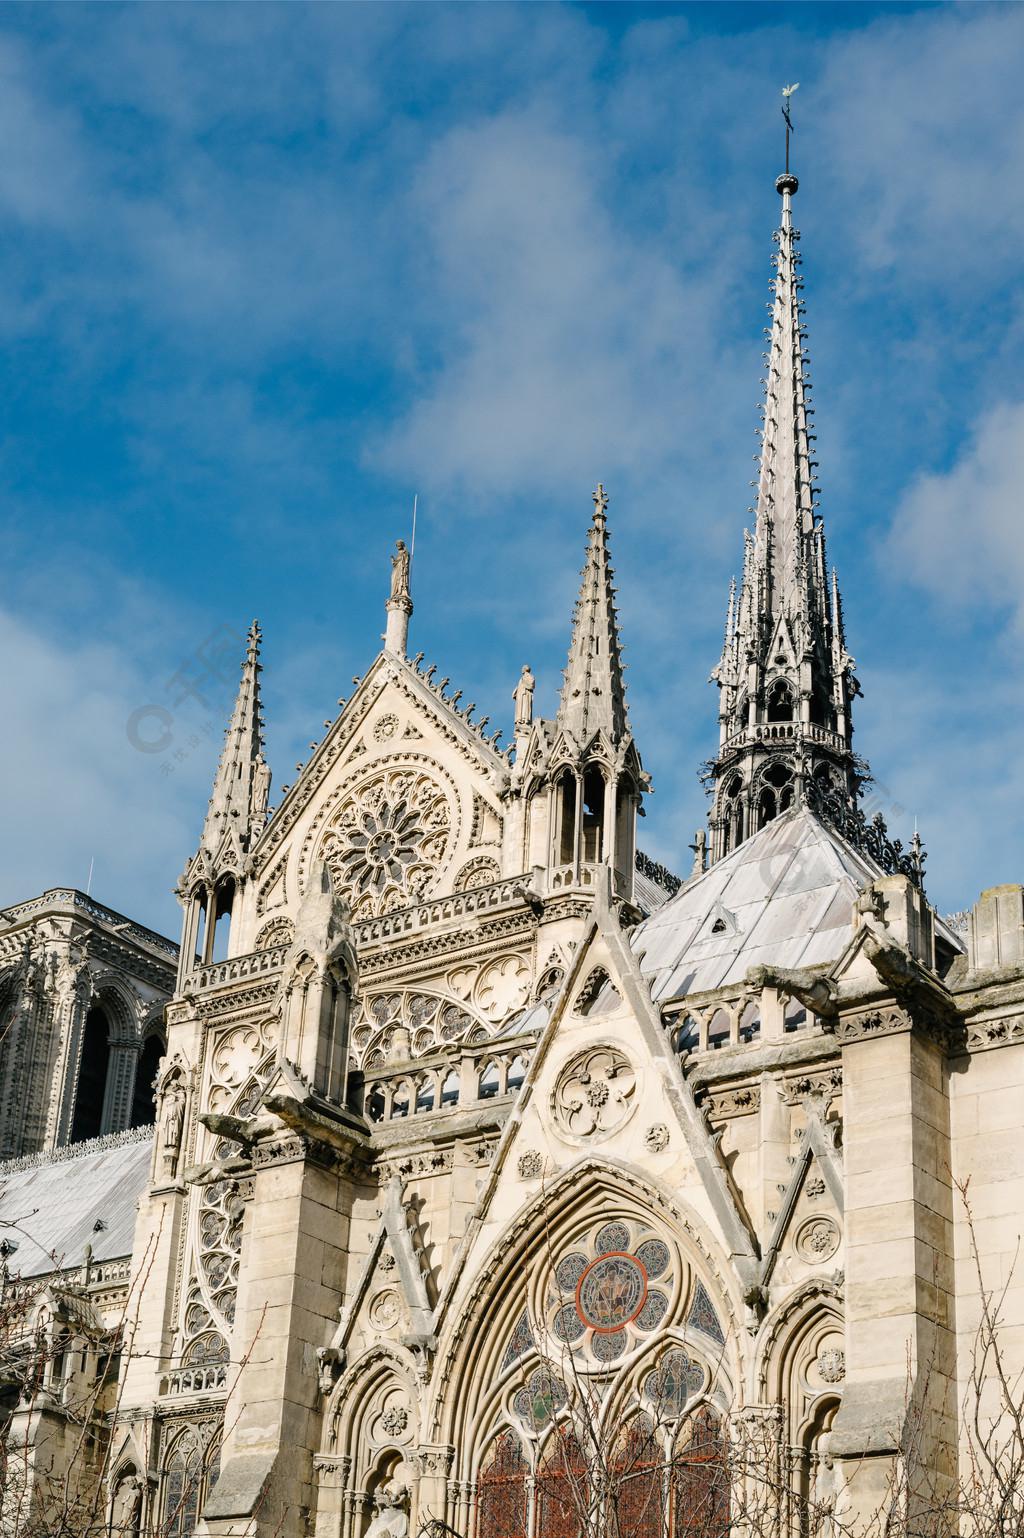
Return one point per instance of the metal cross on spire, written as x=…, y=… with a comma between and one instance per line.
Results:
x=787, y=91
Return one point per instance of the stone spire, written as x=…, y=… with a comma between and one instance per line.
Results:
x=241, y=788
x=593, y=698
x=785, y=677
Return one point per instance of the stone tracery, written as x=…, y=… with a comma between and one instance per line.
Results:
x=388, y=840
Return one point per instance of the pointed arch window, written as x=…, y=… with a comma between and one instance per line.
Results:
x=699, y=1483
x=189, y=1477
x=776, y=793
x=563, y=1487
x=780, y=701
x=94, y=1065
x=593, y=817
x=501, y=1498
x=143, y=1111
x=637, y=1488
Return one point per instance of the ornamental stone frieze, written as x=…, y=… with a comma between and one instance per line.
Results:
x=1002, y=1032
x=726, y=1103
x=894, y=1020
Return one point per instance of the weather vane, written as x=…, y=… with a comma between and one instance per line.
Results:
x=787, y=91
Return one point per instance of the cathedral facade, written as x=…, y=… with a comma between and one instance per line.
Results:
x=503, y=1184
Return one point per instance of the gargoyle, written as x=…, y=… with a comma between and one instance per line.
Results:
x=817, y=993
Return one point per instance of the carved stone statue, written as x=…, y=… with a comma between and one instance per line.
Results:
x=126, y=1507
x=400, y=573
x=700, y=852
x=523, y=696
x=825, y=1487
x=392, y=1519
x=260, y=788
x=173, y=1122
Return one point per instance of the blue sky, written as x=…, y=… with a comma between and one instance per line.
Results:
x=265, y=272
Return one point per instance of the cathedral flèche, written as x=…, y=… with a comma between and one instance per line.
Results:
x=500, y=1183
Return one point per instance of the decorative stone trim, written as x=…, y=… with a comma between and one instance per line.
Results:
x=723, y=1104
x=69, y=1151
x=825, y=1082
x=983, y=1034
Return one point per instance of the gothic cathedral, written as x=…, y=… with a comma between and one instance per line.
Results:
x=503, y=1184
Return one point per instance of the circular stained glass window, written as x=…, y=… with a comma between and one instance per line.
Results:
x=613, y=1236
x=607, y=1347
x=569, y=1271
x=611, y=1292
x=568, y=1325
x=653, y=1311
x=653, y=1256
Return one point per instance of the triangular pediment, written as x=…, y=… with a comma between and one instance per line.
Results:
x=604, y=1086
x=404, y=799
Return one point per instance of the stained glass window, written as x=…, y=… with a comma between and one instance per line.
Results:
x=519, y=1342
x=673, y=1383
x=501, y=1501
x=611, y=1292
x=653, y=1255
x=563, y=1489
x=540, y=1400
x=637, y=1488
x=189, y=1476
x=613, y=1236
x=702, y=1315
x=182, y=1486
x=618, y=1284
x=700, y=1484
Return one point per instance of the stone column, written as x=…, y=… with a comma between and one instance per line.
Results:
x=900, y=1347
x=432, y=1462
x=74, y=993
x=332, y=1474
x=294, y=1248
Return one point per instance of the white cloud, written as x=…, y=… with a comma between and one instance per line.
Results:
x=74, y=782
x=957, y=533
x=565, y=348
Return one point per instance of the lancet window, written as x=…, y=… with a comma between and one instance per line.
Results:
x=191, y=1467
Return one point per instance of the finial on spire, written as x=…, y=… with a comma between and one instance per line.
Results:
x=787, y=92
x=600, y=504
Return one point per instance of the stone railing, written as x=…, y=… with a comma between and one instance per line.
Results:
x=464, y=1077
x=80, y=1150
x=733, y=1018
x=238, y=968
x=564, y=877
x=785, y=731
x=70, y=897
x=441, y=910
x=195, y=1380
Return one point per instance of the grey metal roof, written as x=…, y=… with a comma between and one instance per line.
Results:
x=50, y=1204
x=785, y=896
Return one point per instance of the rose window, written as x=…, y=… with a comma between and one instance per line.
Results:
x=388, y=841
x=609, y=1294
